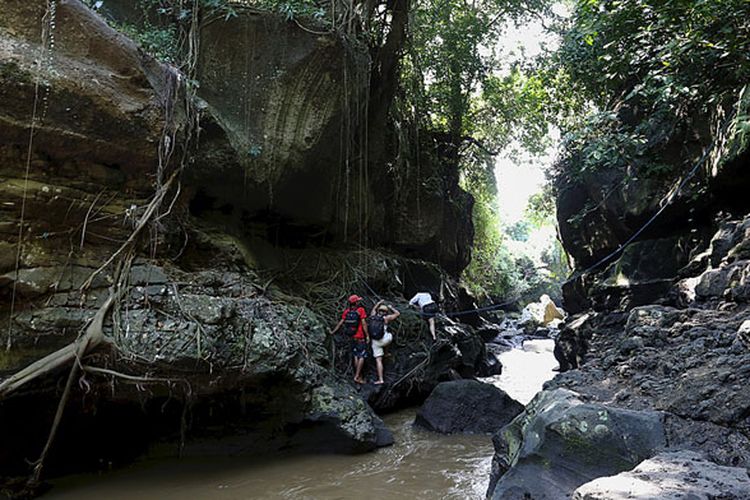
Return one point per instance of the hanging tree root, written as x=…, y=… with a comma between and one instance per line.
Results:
x=93, y=334
x=92, y=337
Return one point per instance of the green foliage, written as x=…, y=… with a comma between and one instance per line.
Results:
x=160, y=42
x=162, y=25
x=295, y=9
x=654, y=66
x=519, y=231
x=454, y=81
x=493, y=270
x=540, y=210
x=452, y=59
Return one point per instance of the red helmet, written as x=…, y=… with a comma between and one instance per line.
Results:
x=353, y=299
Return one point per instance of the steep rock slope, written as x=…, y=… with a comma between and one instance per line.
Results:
x=672, y=217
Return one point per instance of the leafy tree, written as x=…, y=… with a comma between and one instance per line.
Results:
x=650, y=69
x=452, y=56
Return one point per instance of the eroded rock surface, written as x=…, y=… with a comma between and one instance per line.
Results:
x=671, y=476
x=216, y=339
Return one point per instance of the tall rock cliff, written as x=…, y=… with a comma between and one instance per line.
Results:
x=161, y=221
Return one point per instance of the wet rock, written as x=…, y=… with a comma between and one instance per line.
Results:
x=489, y=331
x=490, y=366
x=631, y=344
x=467, y=406
x=560, y=442
x=571, y=343
x=415, y=365
x=342, y=422
x=687, y=362
x=671, y=476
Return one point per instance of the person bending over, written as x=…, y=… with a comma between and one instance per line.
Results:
x=428, y=307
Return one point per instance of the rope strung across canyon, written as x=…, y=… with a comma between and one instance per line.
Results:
x=665, y=203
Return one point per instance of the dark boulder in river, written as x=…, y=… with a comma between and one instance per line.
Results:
x=467, y=406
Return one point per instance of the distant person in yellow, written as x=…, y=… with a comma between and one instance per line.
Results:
x=428, y=308
x=377, y=324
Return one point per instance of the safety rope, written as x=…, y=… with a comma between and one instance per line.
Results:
x=664, y=204
x=666, y=201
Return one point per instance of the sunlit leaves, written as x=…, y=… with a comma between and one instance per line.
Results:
x=660, y=63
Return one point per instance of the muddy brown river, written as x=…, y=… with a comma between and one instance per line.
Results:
x=421, y=465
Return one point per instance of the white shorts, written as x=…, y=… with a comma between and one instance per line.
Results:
x=377, y=345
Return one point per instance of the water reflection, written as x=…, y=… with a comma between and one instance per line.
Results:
x=421, y=465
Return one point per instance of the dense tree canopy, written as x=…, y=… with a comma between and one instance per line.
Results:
x=648, y=70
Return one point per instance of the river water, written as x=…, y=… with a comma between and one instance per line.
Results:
x=421, y=465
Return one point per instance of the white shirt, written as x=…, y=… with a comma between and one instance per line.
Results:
x=421, y=299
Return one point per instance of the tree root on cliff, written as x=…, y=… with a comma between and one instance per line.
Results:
x=92, y=336
x=151, y=209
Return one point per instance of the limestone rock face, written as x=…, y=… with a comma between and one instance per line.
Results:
x=97, y=126
x=284, y=140
x=276, y=114
x=216, y=335
x=192, y=326
x=99, y=100
x=467, y=406
x=559, y=443
x=671, y=476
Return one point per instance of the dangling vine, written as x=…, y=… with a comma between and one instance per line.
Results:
x=47, y=45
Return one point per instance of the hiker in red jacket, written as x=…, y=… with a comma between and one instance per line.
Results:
x=355, y=326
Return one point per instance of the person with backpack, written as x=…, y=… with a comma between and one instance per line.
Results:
x=428, y=308
x=355, y=326
x=377, y=324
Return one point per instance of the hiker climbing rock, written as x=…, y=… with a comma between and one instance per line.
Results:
x=355, y=326
x=381, y=315
x=428, y=308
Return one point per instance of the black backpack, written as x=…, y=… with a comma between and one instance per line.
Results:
x=376, y=327
x=351, y=322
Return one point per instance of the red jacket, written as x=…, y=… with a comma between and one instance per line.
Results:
x=360, y=335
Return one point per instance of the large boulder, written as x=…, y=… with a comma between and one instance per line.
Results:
x=671, y=476
x=467, y=406
x=560, y=442
x=416, y=364
x=248, y=367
